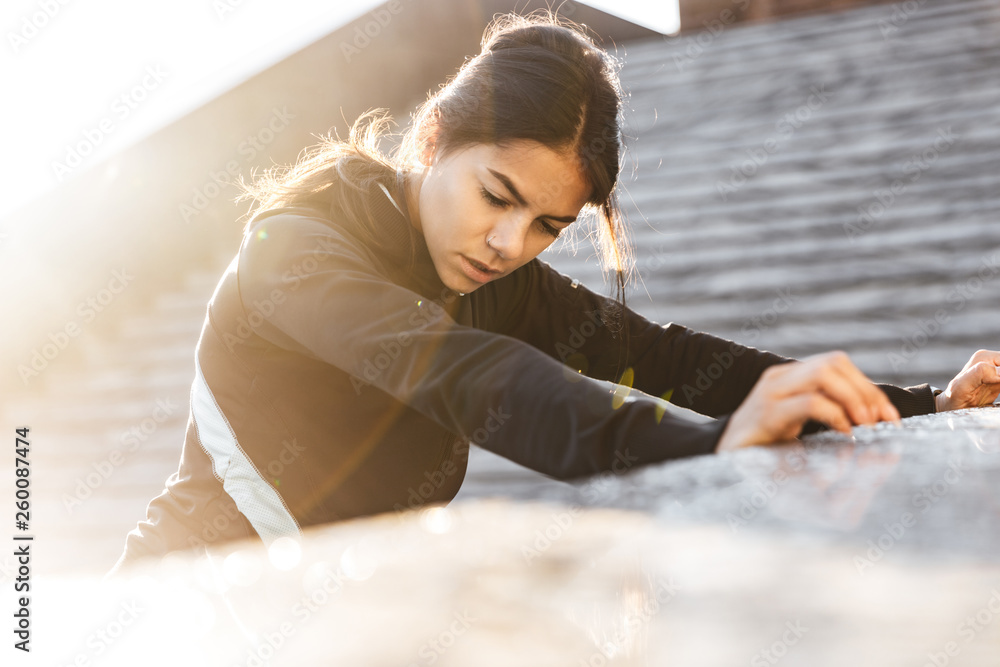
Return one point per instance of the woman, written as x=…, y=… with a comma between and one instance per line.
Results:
x=382, y=312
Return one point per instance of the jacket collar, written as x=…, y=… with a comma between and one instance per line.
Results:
x=397, y=240
x=389, y=209
x=388, y=205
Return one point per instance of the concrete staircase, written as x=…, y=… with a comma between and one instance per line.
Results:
x=107, y=430
x=819, y=117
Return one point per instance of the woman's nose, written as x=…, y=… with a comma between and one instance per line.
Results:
x=507, y=238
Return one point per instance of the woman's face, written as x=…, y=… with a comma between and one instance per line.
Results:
x=520, y=196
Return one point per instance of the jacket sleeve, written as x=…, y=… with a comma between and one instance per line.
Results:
x=332, y=305
x=698, y=371
x=705, y=373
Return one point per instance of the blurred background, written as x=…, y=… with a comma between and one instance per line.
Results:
x=800, y=176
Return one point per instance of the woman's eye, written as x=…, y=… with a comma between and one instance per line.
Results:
x=493, y=201
x=500, y=203
x=549, y=229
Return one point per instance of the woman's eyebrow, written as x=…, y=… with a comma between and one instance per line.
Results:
x=520, y=198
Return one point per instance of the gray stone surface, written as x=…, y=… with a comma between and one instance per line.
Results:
x=878, y=549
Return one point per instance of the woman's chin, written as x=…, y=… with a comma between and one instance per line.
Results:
x=461, y=283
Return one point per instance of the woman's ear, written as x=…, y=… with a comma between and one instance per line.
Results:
x=429, y=146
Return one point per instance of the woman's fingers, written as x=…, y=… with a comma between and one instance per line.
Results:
x=980, y=356
x=976, y=385
x=878, y=403
x=828, y=388
x=812, y=405
x=834, y=375
x=820, y=375
x=764, y=417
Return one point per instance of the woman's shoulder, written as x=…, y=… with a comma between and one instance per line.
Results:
x=367, y=215
x=283, y=237
x=328, y=229
x=296, y=224
x=286, y=215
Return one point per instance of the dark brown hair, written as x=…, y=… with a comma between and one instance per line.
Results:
x=538, y=77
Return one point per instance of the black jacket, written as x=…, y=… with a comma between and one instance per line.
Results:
x=333, y=381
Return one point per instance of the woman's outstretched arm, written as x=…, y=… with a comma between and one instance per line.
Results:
x=699, y=371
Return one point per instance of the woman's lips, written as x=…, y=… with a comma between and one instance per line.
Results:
x=477, y=274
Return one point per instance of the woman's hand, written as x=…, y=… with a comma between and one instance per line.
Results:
x=976, y=385
x=825, y=387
